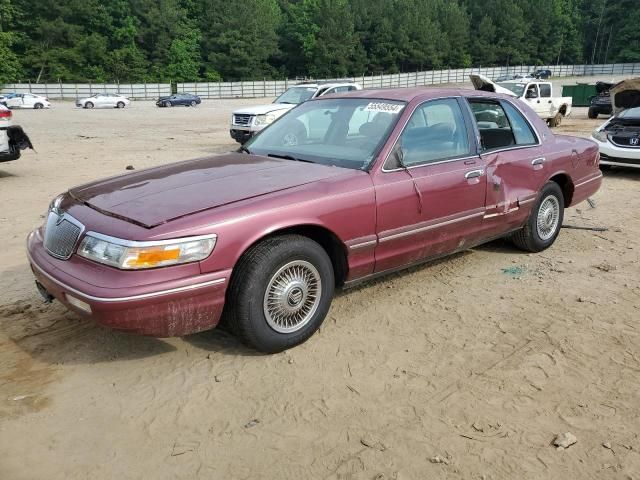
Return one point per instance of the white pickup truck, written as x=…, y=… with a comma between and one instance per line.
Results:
x=538, y=95
x=246, y=122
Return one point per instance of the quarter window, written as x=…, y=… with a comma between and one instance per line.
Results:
x=436, y=131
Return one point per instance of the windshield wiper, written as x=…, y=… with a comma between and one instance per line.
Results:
x=289, y=157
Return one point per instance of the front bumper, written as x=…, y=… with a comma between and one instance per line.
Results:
x=164, y=309
x=241, y=136
x=622, y=156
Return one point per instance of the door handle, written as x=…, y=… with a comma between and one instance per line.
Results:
x=538, y=161
x=550, y=101
x=474, y=174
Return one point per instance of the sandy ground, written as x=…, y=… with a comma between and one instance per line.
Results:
x=479, y=359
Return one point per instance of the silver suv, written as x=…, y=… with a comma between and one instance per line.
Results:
x=246, y=122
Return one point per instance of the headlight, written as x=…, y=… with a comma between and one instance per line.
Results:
x=265, y=119
x=128, y=255
x=599, y=135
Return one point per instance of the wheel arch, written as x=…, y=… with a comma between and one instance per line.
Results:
x=563, y=109
x=566, y=185
x=326, y=238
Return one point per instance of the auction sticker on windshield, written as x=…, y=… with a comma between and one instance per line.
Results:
x=383, y=107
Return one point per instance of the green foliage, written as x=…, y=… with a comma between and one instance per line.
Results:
x=189, y=40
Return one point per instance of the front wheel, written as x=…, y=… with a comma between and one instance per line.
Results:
x=544, y=222
x=168, y=104
x=88, y=105
x=120, y=105
x=280, y=293
x=38, y=106
x=193, y=103
x=592, y=113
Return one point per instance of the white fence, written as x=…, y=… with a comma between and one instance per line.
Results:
x=272, y=88
x=138, y=91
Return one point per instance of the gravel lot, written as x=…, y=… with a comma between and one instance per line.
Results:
x=464, y=368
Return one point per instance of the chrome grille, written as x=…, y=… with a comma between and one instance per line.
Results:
x=61, y=235
x=242, y=119
x=626, y=140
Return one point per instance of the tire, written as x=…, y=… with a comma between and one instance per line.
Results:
x=193, y=103
x=555, y=121
x=592, y=113
x=168, y=104
x=38, y=106
x=88, y=105
x=549, y=208
x=255, y=302
x=120, y=105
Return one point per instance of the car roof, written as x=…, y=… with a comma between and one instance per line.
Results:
x=415, y=93
x=324, y=84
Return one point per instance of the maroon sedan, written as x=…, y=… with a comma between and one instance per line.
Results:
x=338, y=190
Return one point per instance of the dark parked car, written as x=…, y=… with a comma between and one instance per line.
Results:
x=338, y=190
x=600, y=104
x=542, y=73
x=186, y=99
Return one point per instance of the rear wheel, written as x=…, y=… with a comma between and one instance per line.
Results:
x=120, y=105
x=544, y=222
x=592, y=113
x=280, y=293
x=555, y=121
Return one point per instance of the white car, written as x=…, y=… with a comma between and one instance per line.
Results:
x=619, y=137
x=535, y=93
x=26, y=100
x=103, y=100
x=12, y=137
x=246, y=122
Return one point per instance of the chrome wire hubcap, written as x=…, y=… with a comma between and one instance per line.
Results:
x=292, y=296
x=548, y=216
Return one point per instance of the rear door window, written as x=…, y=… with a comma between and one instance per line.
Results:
x=522, y=131
x=501, y=125
x=545, y=90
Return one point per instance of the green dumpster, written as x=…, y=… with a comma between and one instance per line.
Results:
x=580, y=93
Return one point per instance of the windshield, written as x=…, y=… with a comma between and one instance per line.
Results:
x=517, y=88
x=296, y=95
x=345, y=132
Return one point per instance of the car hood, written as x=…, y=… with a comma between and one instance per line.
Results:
x=480, y=82
x=625, y=94
x=263, y=109
x=158, y=195
x=602, y=87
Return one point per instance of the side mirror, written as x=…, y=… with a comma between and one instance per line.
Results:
x=397, y=154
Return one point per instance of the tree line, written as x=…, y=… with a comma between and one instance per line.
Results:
x=190, y=40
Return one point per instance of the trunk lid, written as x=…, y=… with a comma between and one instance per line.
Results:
x=158, y=195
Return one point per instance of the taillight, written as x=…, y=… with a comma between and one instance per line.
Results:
x=5, y=113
